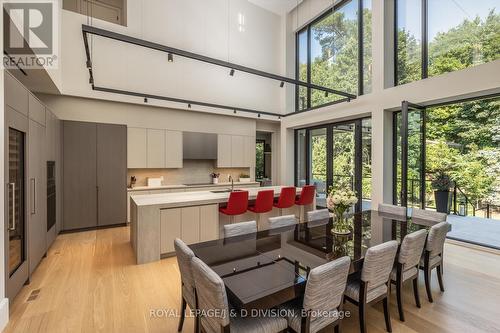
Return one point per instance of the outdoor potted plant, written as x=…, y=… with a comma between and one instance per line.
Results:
x=244, y=178
x=441, y=183
x=339, y=202
x=215, y=177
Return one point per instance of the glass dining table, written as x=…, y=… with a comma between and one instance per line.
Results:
x=265, y=269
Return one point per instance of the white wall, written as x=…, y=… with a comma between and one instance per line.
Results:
x=207, y=27
x=379, y=104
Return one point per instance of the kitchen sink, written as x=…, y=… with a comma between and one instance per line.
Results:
x=226, y=190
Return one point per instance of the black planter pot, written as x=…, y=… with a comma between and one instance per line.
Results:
x=442, y=201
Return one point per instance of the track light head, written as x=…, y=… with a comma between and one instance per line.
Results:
x=170, y=57
x=282, y=84
x=231, y=73
x=279, y=117
x=145, y=99
x=258, y=115
x=234, y=111
x=189, y=105
x=326, y=93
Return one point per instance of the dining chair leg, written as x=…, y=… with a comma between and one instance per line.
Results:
x=399, y=296
x=440, y=277
x=362, y=317
x=415, y=292
x=183, y=315
x=387, y=315
x=427, y=278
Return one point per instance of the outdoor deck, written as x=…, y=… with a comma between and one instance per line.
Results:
x=477, y=230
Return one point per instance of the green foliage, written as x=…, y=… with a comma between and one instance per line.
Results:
x=462, y=138
x=318, y=155
x=336, y=66
x=259, y=160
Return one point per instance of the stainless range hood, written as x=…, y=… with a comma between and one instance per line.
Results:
x=199, y=146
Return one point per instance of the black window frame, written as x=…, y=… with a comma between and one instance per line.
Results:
x=424, y=4
x=307, y=28
x=329, y=154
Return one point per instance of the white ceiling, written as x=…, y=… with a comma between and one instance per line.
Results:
x=280, y=7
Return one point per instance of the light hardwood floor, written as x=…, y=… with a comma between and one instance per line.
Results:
x=89, y=283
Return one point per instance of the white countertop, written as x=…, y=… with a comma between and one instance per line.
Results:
x=166, y=187
x=197, y=198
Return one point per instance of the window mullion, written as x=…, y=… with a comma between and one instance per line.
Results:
x=425, y=44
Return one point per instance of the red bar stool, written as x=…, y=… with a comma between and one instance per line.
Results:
x=306, y=198
x=236, y=205
x=263, y=204
x=286, y=198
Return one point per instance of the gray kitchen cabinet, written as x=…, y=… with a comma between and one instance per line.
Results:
x=170, y=228
x=237, y=151
x=137, y=147
x=155, y=148
x=16, y=95
x=249, y=151
x=37, y=194
x=190, y=226
x=79, y=175
x=111, y=174
x=173, y=149
x=36, y=110
x=95, y=189
x=224, y=151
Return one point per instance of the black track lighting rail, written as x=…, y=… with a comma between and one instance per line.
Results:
x=183, y=101
x=89, y=30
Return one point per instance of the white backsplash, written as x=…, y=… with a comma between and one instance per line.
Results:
x=193, y=171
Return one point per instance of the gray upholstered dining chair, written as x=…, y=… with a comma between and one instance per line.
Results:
x=406, y=268
x=323, y=298
x=392, y=209
x=373, y=286
x=212, y=299
x=433, y=255
x=188, y=290
x=282, y=221
x=238, y=229
x=316, y=218
x=428, y=215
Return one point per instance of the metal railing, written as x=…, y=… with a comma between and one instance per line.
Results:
x=460, y=205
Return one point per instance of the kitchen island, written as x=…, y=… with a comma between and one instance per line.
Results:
x=157, y=219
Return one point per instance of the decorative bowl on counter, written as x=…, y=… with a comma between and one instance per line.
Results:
x=244, y=178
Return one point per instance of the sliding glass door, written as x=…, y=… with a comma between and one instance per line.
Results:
x=335, y=157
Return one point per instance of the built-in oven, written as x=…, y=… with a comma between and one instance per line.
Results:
x=51, y=194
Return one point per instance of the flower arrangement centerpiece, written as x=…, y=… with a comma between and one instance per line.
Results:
x=339, y=202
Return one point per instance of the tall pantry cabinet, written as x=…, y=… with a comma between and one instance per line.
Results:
x=94, y=175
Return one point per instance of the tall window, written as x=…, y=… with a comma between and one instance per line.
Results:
x=440, y=36
x=329, y=54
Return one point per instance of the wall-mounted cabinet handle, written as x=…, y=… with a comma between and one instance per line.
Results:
x=33, y=196
x=12, y=224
